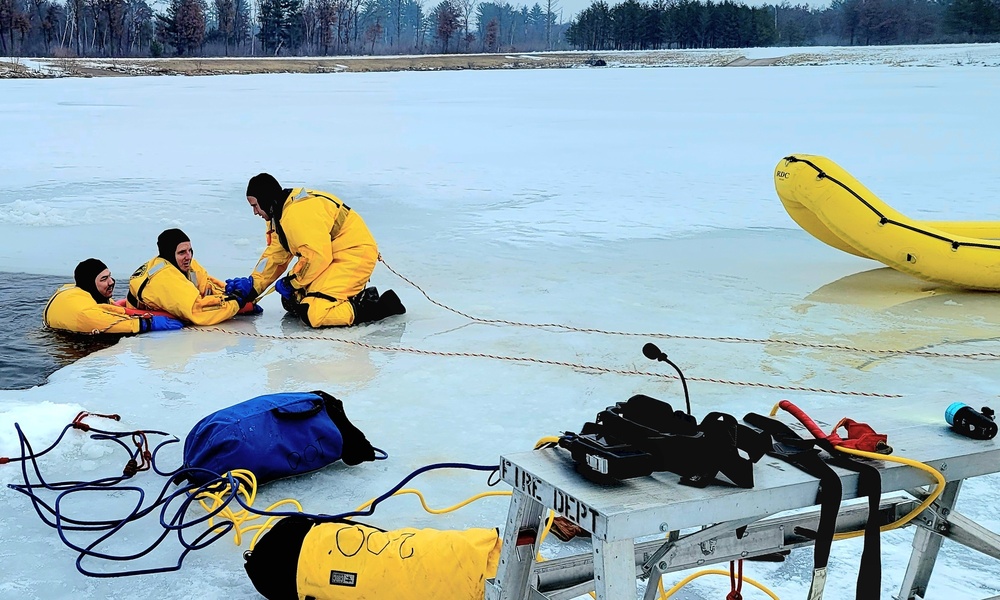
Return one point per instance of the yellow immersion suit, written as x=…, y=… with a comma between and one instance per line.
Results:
x=336, y=255
x=195, y=298
x=74, y=309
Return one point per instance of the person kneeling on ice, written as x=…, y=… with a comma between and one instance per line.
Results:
x=173, y=282
x=86, y=307
x=336, y=256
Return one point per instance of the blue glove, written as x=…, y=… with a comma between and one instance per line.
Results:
x=242, y=287
x=257, y=309
x=158, y=323
x=284, y=287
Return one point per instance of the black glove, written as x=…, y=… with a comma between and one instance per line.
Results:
x=241, y=301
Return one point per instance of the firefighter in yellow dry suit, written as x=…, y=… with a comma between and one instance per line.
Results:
x=336, y=256
x=87, y=308
x=175, y=283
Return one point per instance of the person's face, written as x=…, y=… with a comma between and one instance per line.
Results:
x=257, y=210
x=105, y=283
x=183, y=256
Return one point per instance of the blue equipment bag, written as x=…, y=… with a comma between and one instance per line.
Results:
x=274, y=436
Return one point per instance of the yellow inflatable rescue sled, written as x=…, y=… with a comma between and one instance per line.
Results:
x=837, y=209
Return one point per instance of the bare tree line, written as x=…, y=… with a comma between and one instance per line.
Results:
x=128, y=28
x=131, y=28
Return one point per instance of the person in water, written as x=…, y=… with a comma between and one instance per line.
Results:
x=86, y=306
x=174, y=282
x=336, y=256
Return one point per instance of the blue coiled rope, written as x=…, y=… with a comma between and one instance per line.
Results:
x=169, y=521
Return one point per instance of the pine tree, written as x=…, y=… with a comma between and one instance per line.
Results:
x=271, y=18
x=183, y=27
x=446, y=22
x=225, y=21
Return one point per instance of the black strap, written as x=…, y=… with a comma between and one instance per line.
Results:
x=804, y=455
x=790, y=447
x=869, y=484
x=338, y=204
x=726, y=437
x=136, y=299
x=321, y=295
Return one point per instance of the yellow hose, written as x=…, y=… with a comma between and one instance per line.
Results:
x=666, y=594
x=938, y=477
x=545, y=441
x=247, y=488
x=437, y=511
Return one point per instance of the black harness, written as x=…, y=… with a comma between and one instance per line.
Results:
x=642, y=435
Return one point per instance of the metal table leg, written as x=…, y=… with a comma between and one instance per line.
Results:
x=516, y=561
x=614, y=569
x=925, y=548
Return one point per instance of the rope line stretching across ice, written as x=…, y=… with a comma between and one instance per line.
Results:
x=542, y=361
x=598, y=369
x=741, y=340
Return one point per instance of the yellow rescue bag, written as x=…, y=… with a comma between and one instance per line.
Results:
x=300, y=558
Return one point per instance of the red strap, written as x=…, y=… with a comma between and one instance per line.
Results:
x=526, y=537
x=861, y=436
x=735, y=581
x=803, y=418
x=79, y=424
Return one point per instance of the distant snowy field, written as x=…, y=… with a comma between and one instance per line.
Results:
x=627, y=200
x=939, y=55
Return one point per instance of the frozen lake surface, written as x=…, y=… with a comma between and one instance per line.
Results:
x=631, y=201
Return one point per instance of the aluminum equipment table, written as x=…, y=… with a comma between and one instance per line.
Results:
x=617, y=514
